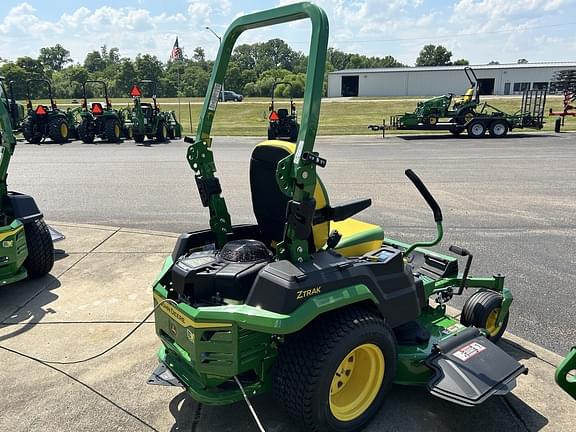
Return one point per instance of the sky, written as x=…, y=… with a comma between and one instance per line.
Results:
x=478, y=30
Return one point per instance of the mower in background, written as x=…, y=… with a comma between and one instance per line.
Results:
x=486, y=119
x=147, y=120
x=46, y=121
x=101, y=120
x=310, y=304
x=283, y=122
x=566, y=373
x=26, y=247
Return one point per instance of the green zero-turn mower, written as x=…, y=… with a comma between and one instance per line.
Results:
x=459, y=110
x=46, y=121
x=283, y=122
x=566, y=373
x=147, y=120
x=101, y=120
x=26, y=248
x=310, y=304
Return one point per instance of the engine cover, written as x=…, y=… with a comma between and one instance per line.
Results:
x=211, y=276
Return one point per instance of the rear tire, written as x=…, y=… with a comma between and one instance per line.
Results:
x=271, y=134
x=481, y=310
x=498, y=129
x=112, y=130
x=127, y=132
x=59, y=130
x=294, y=133
x=85, y=132
x=323, y=371
x=476, y=129
x=40, y=258
x=465, y=116
x=31, y=132
x=172, y=133
x=161, y=132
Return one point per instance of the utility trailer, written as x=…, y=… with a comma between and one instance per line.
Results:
x=487, y=119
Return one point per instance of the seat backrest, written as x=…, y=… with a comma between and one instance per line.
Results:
x=283, y=113
x=468, y=95
x=269, y=202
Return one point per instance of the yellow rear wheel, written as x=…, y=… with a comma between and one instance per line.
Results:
x=334, y=374
x=64, y=129
x=356, y=382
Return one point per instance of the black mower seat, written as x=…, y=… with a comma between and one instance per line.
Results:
x=283, y=113
x=269, y=204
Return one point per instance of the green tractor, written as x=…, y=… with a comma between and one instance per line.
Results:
x=26, y=244
x=459, y=110
x=566, y=373
x=283, y=123
x=310, y=304
x=147, y=120
x=101, y=120
x=46, y=121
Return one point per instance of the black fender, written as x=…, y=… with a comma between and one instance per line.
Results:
x=21, y=206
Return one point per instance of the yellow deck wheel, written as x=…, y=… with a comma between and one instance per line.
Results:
x=492, y=326
x=356, y=382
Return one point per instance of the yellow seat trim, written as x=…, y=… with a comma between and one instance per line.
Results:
x=358, y=237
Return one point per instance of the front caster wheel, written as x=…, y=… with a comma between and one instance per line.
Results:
x=481, y=310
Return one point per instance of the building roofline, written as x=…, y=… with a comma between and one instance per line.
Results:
x=449, y=68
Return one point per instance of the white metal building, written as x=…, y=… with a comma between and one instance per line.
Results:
x=501, y=79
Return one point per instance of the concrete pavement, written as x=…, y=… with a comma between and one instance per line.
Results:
x=98, y=291
x=510, y=201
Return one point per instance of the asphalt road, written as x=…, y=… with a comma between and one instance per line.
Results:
x=511, y=201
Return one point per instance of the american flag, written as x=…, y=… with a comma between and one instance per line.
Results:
x=176, y=53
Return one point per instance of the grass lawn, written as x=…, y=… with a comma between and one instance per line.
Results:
x=337, y=117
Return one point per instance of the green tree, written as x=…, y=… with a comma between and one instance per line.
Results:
x=13, y=72
x=68, y=82
x=432, y=55
x=54, y=58
x=461, y=62
x=34, y=68
x=124, y=79
x=94, y=62
x=148, y=67
x=522, y=61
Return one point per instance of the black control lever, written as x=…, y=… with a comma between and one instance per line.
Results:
x=425, y=194
x=463, y=253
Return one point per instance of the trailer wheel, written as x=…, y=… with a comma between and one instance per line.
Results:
x=138, y=138
x=40, y=259
x=172, y=133
x=31, y=132
x=334, y=374
x=476, y=129
x=112, y=130
x=481, y=310
x=498, y=129
x=85, y=132
x=59, y=130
